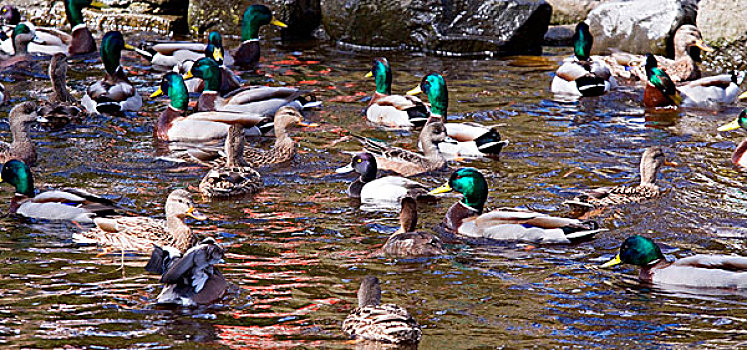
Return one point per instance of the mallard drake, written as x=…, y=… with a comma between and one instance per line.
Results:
x=9, y=15
x=710, y=92
x=469, y=140
x=61, y=108
x=651, y=161
x=192, y=279
x=580, y=75
x=255, y=16
x=81, y=41
x=114, y=93
x=394, y=111
x=466, y=218
x=140, y=233
x=371, y=320
x=700, y=271
x=20, y=61
x=406, y=242
x=21, y=117
x=738, y=157
x=170, y=54
x=684, y=67
x=174, y=125
x=63, y=204
x=261, y=100
x=408, y=163
x=383, y=190
x=236, y=178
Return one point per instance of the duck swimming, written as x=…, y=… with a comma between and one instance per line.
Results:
x=170, y=54
x=408, y=243
x=21, y=117
x=699, y=271
x=255, y=16
x=580, y=75
x=236, y=177
x=61, y=108
x=738, y=156
x=393, y=111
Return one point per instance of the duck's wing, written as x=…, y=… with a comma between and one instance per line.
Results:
x=245, y=119
x=385, y=322
x=127, y=233
x=413, y=244
x=169, y=48
x=80, y=198
x=229, y=182
x=722, y=262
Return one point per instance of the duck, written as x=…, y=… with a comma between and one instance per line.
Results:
x=652, y=160
x=248, y=53
x=260, y=100
x=467, y=140
x=708, y=93
x=466, y=218
x=392, y=111
x=170, y=54
x=580, y=75
x=236, y=177
x=190, y=279
x=20, y=61
x=408, y=243
x=738, y=156
x=114, y=93
x=383, y=190
x=79, y=42
x=688, y=44
x=373, y=321
x=69, y=204
x=61, y=108
x=9, y=15
x=409, y=163
x=21, y=117
x=282, y=152
x=698, y=271
x=139, y=233
x=175, y=125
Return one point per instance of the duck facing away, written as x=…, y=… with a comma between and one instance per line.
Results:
x=191, y=279
x=651, y=161
x=63, y=204
x=21, y=117
x=738, y=156
x=408, y=243
x=468, y=140
x=393, y=111
x=580, y=75
x=373, y=321
x=383, y=190
x=466, y=218
x=698, y=271
x=236, y=178
x=140, y=233
x=174, y=124
x=61, y=108
x=114, y=93
x=408, y=163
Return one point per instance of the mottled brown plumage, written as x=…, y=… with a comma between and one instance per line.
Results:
x=236, y=178
x=61, y=108
x=21, y=117
x=373, y=321
x=651, y=161
x=408, y=163
x=406, y=242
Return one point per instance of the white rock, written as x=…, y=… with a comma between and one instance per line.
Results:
x=722, y=19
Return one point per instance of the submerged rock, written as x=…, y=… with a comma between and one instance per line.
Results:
x=639, y=26
x=441, y=27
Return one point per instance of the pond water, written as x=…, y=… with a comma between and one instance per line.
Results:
x=296, y=251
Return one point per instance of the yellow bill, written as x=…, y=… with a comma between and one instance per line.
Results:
x=703, y=46
x=218, y=55
x=415, y=91
x=443, y=189
x=129, y=47
x=613, y=262
x=368, y=75
x=188, y=75
x=193, y=213
x=158, y=92
x=278, y=23
x=676, y=98
x=98, y=4
x=743, y=96
x=733, y=125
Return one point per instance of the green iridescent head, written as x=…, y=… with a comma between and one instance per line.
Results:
x=21, y=30
x=640, y=251
x=434, y=86
x=173, y=86
x=739, y=122
x=208, y=70
x=214, y=48
x=256, y=16
x=582, y=41
x=112, y=45
x=383, y=75
x=18, y=174
x=471, y=184
x=74, y=8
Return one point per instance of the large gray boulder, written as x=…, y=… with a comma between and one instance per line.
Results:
x=722, y=19
x=440, y=27
x=571, y=11
x=639, y=26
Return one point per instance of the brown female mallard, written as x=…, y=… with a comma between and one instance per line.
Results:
x=21, y=117
x=406, y=242
x=236, y=177
x=61, y=108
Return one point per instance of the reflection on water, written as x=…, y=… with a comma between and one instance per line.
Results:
x=296, y=251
